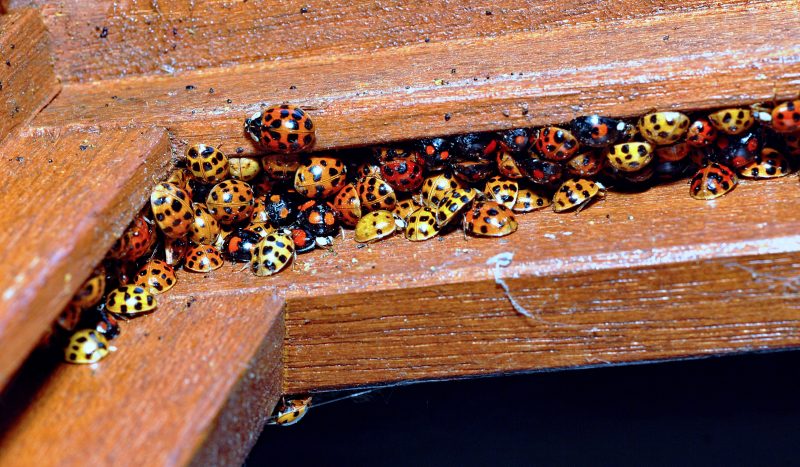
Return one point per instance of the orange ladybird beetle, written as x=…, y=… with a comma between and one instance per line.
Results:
x=556, y=143
x=403, y=174
x=156, y=276
x=489, y=219
x=701, y=134
x=231, y=201
x=91, y=292
x=285, y=129
x=172, y=209
x=203, y=258
x=70, y=317
x=320, y=177
x=502, y=190
x=586, y=164
x=436, y=186
x=205, y=227
x=280, y=167
x=712, y=181
x=376, y=194
x=768, y=164
x=786, y=117
x=348, y=204
x=207, y=163
x=137, y=240
x=673, y=153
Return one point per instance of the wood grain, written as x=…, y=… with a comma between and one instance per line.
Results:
x=685, y=60
x=192, y=383
x=103, y=39
x=671, y=277
x=68, y=194
x=27, y=79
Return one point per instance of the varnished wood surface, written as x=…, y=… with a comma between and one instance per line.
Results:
x=67, y=195
x=27, y=79
x=103, y=39
x=685, y=60
x=637, y=276
x=192, y=383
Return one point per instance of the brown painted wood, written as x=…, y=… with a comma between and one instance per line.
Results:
x=27, y=79
x=639, y=276
x=175, y=36
x=67, y=195
x=684, y=60
x=192, y=383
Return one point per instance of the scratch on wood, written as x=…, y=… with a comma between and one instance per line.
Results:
x=790, y=284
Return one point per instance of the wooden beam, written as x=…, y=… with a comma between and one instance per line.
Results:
x=193, y=383
x=27, y=79
x=102, y=39
x=68, y=194
x=685, y=60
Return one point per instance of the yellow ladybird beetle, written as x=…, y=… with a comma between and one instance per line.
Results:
x=421, y=225
x=377, y=225
x=576, y=193
x=663, y=128
x=630, y=157
x=531, y=199
x=290, y=411
x=271, y=254
x=732, y=121
x=86, y=346
x=130, y=300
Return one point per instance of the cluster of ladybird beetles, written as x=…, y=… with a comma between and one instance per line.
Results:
x=266, y=210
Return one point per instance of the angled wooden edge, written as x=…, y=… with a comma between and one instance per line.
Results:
x=193, y=383
x=68, y=195
x=183, y=35
x=684, y=60
x=27, y=79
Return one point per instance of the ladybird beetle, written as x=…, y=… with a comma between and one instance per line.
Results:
x=86, y=346
x=319, y=217
x=137, y=240
x=630, y=133
x=673, y=153
x=453, y=203
x=290, y=411
x=92, y=290
x=732, y=121
x=507, y=165
x=475, y=146
x=630, y=157
x=261, y=185
x=70, y=317
x=404, y=208
x=156, y=276
x=530, y=199
x=230, y=201
x=271, y=254
x=670, y=170
x=205, y=227
x=280, y=167
x=377, y=225
x=262, y=228
x=515, y=141
x=348, y=204
x=555, y=143
x=786, y=117
x=304, y=240
x=239, y=245
x=245, y=169
x=259, y=214
x=203, y=258
x=540, y=171
x=172, y=209
x=130, y=300
x=376, y=194
x=737, y=150
x=595, y=131
x=175, y=250
x=107, y=325
x=421, y=225
x=179, y=178
x=368, y=168
x=792, y=142
x=576, y=192
x=768, y=164
x=701, y=134
x=435, y=152
x=436, y=186
x=402, y=174
x=586, y=164
x=198, y=190
x=502, y=190
x=473, y=171
x=281, y=209
x=663, y=128
x=285, y=129
x=712, y=181
x=207, y=163
x=489, y=219
x=320, y=177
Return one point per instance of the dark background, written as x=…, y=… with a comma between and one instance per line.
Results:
x=738, y=410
